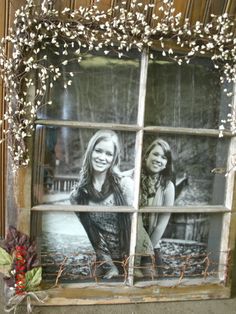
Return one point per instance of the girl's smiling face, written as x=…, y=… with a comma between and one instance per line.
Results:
x=156, y=160
x=102, y=156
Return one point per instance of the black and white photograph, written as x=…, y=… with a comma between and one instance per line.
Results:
x=177, y=171
x=90, y=246
x=101, y=89
x=182, y=170
x=104, y=178
x=178, y=244
x=102, y=175
x=189, y=96
x=72, y=159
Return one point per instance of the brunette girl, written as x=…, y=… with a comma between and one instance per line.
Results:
x=157, y=187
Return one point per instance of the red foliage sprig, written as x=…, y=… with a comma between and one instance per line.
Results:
x=24, y=254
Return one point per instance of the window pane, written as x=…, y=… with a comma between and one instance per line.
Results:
x=88, y=253
x=183, y=170
x=94, y=164
x=178, y=245
x=189, y=95
x=103, y=89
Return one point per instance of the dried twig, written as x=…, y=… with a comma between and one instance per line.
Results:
x=61, y=269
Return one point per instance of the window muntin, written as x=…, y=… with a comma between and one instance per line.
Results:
x=141, y=128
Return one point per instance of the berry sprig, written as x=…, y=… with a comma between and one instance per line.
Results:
x=20, y=267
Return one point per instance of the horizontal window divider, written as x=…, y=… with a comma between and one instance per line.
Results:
x=134, y=127
x=186, y=131
x=88, y=125
x=82, y=208
x=187, y=209
x=190, y=289
x=129, y=209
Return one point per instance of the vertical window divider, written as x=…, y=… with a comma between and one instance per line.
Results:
x=231, y=153
x=226, y=219
x=142, y=87
x=138, y=161
x=223, y=258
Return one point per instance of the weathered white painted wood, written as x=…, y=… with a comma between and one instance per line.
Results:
x=187, y=131
x=224, y=248
x=173, y=209
x=88, y=125
x=230, y=180
x=229, y=203
x=186, y=209
x=134, y=127
x=83, y=208
x=138, y=161
x=122, y=294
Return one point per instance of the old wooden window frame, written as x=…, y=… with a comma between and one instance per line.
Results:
x=140, y=128
x=74, y=295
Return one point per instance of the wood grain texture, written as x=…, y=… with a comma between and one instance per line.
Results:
x=3, y=27
x=23, y=198
x=121, y=294
x=103, y=5
x=217, y=7
x=197, y=11
x=60, y=5
x=13, y=6
x=231, y=7
x=81, y=3
x=182, y=6
x=19, y=193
